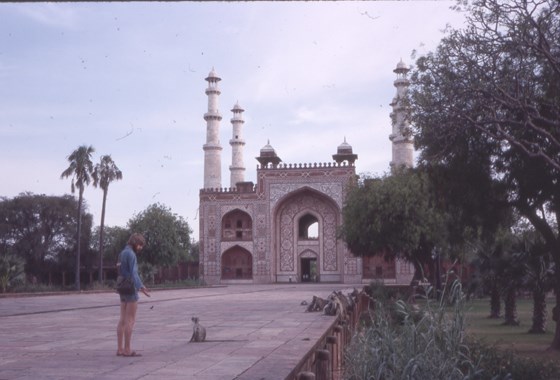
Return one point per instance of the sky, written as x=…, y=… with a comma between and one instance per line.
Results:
x=128, y=78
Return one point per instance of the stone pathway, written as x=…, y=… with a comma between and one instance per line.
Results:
x=254, y=332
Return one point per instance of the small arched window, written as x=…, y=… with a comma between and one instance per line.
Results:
x=308, y=227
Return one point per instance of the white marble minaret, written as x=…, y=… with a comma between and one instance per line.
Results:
x=403, y=146
x=237, y=168
x=212, y=148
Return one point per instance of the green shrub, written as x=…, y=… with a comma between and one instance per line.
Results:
x=412, y=342
x=11, y=271
x=427, y=341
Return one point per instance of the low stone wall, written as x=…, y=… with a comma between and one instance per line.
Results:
x=325, y=360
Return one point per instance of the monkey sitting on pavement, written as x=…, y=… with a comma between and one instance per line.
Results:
x=199, y=332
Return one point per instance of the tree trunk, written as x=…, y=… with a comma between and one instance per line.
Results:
x=510, y=308
x=555, y=345
x=539, y=312
x=101, y=227
x=79, y=240
x=495, y=303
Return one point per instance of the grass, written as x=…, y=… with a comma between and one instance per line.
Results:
x=514, y=338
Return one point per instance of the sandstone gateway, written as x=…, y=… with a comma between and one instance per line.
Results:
x=283, y=228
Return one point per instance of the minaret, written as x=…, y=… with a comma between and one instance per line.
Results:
x=403, y=146
x=212, y=148
x=237, y=168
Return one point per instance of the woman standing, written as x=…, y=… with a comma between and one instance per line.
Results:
x=128, y=267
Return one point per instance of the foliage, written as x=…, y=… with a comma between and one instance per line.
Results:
x=167, y=235
x=538, y=273
x=394, y=215
x=11, y=269
x=194, y=252
x=147, y=272
x=422, y=344
x=428, y=340
x=40, y=230
x=114, y=240
x=505, y=364
x=488, y=99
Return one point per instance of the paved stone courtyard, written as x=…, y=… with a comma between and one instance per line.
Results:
x=254, y=332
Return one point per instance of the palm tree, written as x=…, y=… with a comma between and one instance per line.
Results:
x=80, y=170
x=104, y=173
x=539, y=276
x=512, y=274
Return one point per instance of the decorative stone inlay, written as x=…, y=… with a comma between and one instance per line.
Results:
x=279, y=190
x=260, y=246
x=296, y=205
x=247, y=245
x=261, y=224
x=211, y=251
x=309, y=254
x=247, y=208
x=263, y=268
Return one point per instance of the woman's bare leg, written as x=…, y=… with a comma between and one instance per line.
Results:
x=120, y=329
x=130, y=319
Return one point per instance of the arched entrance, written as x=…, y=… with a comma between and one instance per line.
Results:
x=309, y=267
x=305, y=238
x=237, y=264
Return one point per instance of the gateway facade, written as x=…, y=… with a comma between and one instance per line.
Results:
x=284, y=227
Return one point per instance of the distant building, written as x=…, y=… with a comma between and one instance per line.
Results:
x=283, y=228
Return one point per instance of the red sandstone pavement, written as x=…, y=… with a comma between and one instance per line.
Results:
x=254, y=332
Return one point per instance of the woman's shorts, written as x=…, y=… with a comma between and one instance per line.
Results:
x=129, y=297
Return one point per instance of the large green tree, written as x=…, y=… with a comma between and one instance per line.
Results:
x=80, y=168
x=105, y=172
x=40, y=230
x=167, y=235
x=395, y=216
x=489, y=96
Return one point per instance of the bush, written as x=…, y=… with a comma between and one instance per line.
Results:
x=410, y=342
x=11, y=271
x=427, y=341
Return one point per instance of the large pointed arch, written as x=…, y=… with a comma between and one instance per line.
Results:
x=237, y=264
x=295, y=211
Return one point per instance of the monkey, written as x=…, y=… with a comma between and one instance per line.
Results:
x=199, y=332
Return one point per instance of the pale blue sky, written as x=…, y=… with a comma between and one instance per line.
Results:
x=128, y=79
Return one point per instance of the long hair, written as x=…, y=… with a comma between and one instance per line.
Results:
x=136, y=239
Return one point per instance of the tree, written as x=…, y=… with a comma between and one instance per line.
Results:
x=114, y=241
x=167, y=235
x=40, y=229
x=490, y=93
x=395, y=216
x=538, y=274
x=490, y=262
x=105, y=172
x=80, y=169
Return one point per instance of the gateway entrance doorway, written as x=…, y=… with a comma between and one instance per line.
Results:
x=309, y=270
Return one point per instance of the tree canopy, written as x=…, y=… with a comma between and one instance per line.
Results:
x=395, y=216
x=167, y=235
x=488, y=100
x=39, y=229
